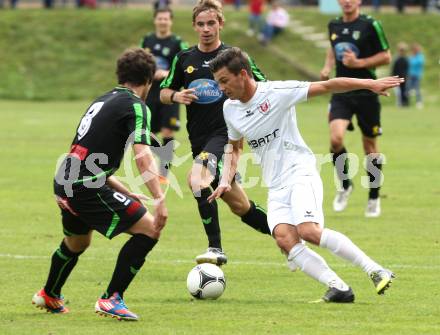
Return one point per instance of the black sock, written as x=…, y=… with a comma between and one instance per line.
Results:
x=341, y=166
x=63, y=262
x=374, y=168
x=209, y=214
x=130, y=260
x=167, y=156
x=256, y=218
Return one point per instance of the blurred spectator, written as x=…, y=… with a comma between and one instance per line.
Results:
x=400, y=5
x=255, y=17
x=48, y=4
x=14, y=4
x=400, y=68
x=376, y=5
x=415, y=72
x=424, y=5
x=161, y=4
x=276, y=21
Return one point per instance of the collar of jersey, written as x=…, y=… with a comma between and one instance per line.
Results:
x=123, y=88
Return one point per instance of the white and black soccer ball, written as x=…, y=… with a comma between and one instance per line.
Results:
x=206, y=281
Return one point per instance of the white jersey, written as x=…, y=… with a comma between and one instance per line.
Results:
x=268, y=123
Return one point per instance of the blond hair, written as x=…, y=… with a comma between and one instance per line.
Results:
x=208, y=5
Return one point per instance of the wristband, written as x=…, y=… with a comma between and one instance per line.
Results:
x=172, y=96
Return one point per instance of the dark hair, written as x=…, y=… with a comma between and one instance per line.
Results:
x=163, y=10
x=233, y=59
x=135, y=66
x=208, y=5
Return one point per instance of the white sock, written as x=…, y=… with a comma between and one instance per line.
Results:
x=342, y=246
x=315, y=266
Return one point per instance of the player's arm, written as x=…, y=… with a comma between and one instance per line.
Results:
x=230, y=163
x=328, y=65
x=169, y=96
x=116, y=184
x=342, y=84
x=147, y=168
x=381, y=58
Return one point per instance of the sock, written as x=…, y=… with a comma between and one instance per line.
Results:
x=167, y=156
x=374, y=168
x=342, y=166
x=62, y=264
x=315, y=266
x=342, y=246
x=130, y=261
x=256, y=218
x=209, y=214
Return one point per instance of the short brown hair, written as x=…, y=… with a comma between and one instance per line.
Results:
x=163, y=10
x=208, y=5
x=135, y=66
x=234, y=59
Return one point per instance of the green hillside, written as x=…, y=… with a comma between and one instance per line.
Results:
x=70, y=54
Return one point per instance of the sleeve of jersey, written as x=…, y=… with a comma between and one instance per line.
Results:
x=258, y=75
x=380, y=42
x=291, y=92
x=233, y=134
x=142, y=124
x=174, y=80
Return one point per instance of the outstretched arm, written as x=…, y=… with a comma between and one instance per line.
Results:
x=231, y=157
x=342, y=84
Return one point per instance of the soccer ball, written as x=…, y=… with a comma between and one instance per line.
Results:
x=206, y=281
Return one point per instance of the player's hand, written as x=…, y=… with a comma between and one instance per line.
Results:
x=219, y=191
x=350, y=60
x=325, y=73
x=160, y=215
x=380, y=86
x=185, y=96
x=63, y=203
x=138, y=197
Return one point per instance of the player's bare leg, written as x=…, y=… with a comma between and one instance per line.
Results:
x=338, y=127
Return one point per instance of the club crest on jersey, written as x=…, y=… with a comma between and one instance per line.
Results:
x=264, y=107
x=190, y=69
x=165, y=51
x=356, y=35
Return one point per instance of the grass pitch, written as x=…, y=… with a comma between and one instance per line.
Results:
x=262, y=296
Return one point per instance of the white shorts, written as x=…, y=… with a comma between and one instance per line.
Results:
x=296, y=203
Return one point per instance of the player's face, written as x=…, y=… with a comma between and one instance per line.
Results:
x=349, y=6
x=230, y=84
x=163, y=22
x=208, y=26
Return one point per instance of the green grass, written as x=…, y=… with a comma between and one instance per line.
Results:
x=262, y=296
x=66, y=54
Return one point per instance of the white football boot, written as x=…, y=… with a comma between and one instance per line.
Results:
x=341, y=199
x=373, y=208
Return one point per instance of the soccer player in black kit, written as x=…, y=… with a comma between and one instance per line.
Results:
x=91, y=198
x=206, y=127
x=358, y=46
x=164, y=45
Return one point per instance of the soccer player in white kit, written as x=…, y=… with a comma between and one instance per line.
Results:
x=264, y=115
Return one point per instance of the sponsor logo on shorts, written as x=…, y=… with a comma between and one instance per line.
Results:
x=309, y=214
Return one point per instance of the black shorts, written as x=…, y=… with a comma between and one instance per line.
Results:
x=365, y=107
x=163, y=116
x=210, y=153
x=104, y=210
